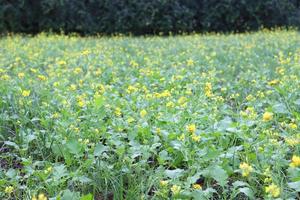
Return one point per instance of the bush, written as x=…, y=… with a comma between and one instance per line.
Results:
x=145, y=17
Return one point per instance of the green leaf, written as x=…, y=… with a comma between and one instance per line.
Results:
x=82, y=179
x=174, y=173
x=297, y=102
x=12, y=144
x=237, y=184
x=57, y=150
x=217, y=173
x=280, y=108
x=11, y=173
x=247, y=191
x=74, y=147
x=295, y=185
x=99, y=149
x=68, y=195
x=87, y=197
x=223, y=124
x=99, y=101
x=60, y=171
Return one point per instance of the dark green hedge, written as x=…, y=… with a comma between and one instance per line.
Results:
x=145, y=16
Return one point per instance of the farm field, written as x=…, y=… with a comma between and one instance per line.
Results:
x=207, y=116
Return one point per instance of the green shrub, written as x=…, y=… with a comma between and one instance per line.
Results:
x=145, y=17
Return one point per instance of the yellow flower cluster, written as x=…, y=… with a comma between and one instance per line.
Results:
x=175, y=189
x=292, y=141
x=249, y=113
x=163, y=183
x=190, y=62
x=25, y=93
x=195, y=137
x=267, y=116
x=182, y=101
x=143, y=113
x=208, y=89
x=41, y=196
x=191, y=128
x=9, y=189
x=118, y=112
x=246, y=169
x=48, y=170
x=295, y=161
x=197, y=186
x=273, y=190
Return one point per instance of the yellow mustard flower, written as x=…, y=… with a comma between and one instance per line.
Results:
x=250, y=97
x=131, y=89
x=295, y=161
x=246, y=169
x=208, y=89
x=85, y=52
x=62, y=62
x=182, y=100
x=118, y=112
x=80, y=101
x=191, y=128
x=267, y=116
x=48, y=170
x=273, y=82
x=195, y=137
x=292, y=141
x=175, y=189
x=5, y=77
x=73, y=87
x=130, y=120
x=42, y=77
x=42, y=196
x=197, y=186
x=163, y=183
x=101, y=88
x=21, y=75
x=273, y=190
x=190, y=62
x=77, y=70
x=56, y=83
x=9, y=189
x=25, y=93
x=170, y=104
x=293, y=125
x=181, y=137
x=143, y=113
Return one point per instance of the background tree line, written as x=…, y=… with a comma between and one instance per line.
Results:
x=145, y=16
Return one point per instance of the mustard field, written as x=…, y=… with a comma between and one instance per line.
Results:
x=203, y=116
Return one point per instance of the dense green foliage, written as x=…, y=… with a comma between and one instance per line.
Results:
x=143, y=16
x=182, y=117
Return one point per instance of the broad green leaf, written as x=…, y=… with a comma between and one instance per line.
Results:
x=297, y=102
x=295, y=185
x=217, y=173
x=12, y=144
x=59, y=171
x=247, y=191
x=237, y=184
x=68, y=195
x=11, y=173
x=280, y=108
x=87, y=197
x=99, y=149
x=74, y=147
x=174, y=173
x=82, y=179
x=99, y=101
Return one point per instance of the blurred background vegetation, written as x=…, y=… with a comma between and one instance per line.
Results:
x=145, y=16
